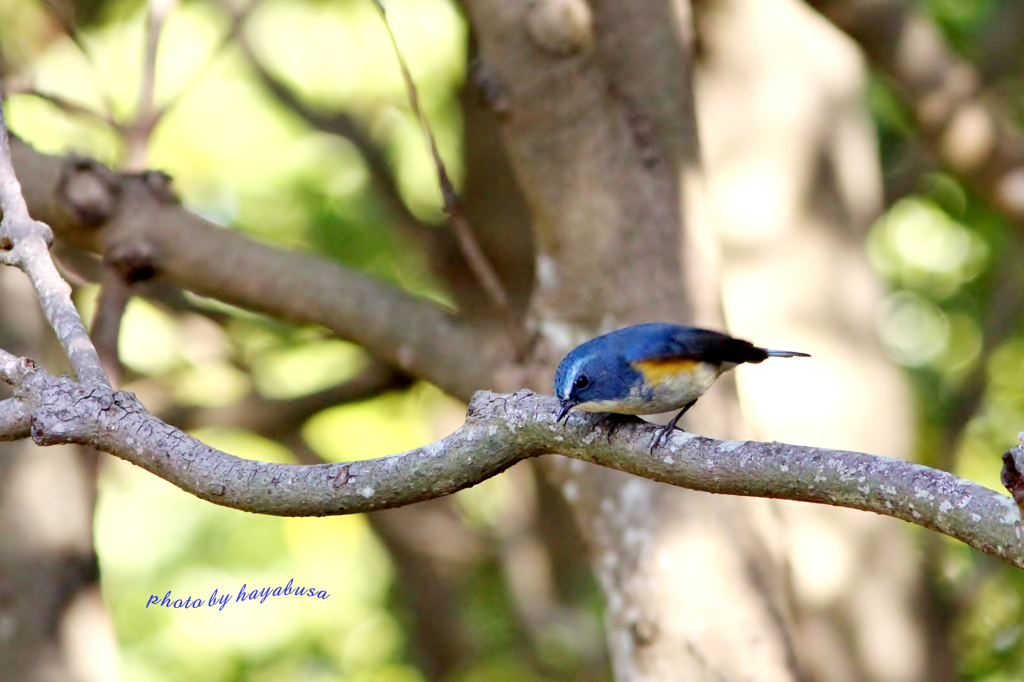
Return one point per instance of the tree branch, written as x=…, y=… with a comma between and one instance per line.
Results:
x=434, y=242
x=279, y=419
x=501, y=430
x=127, y=216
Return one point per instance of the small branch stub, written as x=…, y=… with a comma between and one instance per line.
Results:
x=1011, y=475
x=562, y=28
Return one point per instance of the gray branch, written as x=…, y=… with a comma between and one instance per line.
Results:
x=501, y=430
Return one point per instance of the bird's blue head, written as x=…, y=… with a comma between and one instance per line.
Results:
x=593, y=377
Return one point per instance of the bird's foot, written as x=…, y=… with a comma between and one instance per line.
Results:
x=663, y=434
x=667, y=428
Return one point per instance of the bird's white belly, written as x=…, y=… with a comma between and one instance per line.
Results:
x=676, y=390
x=666, y=390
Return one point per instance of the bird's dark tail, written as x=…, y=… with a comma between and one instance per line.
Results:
x=785, y=353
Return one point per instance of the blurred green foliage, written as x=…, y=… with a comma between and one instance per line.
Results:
x=953, y=320
x=963, y=21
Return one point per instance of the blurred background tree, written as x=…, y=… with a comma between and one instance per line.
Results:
x=854, y=196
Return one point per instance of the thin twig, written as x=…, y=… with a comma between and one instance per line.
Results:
x=139, y=130
x=67, y=106
x=277, y=419
x=67, y=25
x=339, y=124
x=475, y=257
x=149, y=115
x=430, y=241
x=237, y=19
x=115, y=293
x=71, y=31
x=24, y=244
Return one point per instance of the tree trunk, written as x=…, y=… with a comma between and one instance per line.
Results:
x=598, y=120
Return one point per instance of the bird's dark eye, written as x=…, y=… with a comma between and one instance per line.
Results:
x=581, y=383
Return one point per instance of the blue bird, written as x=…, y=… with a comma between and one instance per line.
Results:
x=651, y=368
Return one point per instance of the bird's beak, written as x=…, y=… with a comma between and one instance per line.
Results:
x=566, y=406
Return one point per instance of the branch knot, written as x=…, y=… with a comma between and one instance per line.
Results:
x=88, y=190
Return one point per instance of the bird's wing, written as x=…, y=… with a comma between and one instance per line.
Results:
x=691, y=343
